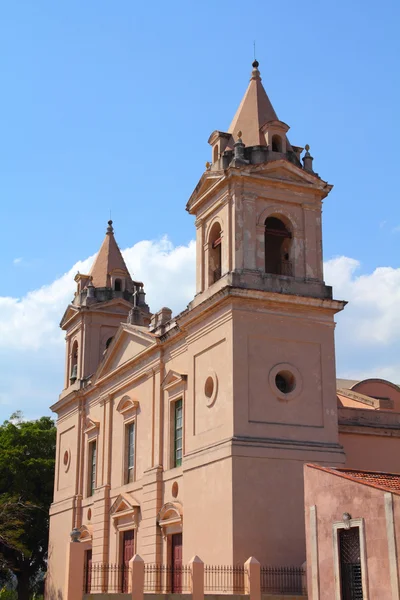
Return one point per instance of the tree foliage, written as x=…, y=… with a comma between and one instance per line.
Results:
x=27, y=458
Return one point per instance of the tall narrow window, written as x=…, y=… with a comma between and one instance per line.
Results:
x=118, y=285
x=92, y=468
x=130, y=453
x=350, y=564
x=178, y=433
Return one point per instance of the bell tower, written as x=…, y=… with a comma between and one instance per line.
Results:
x=258, y=208
x=103, y=299
x=259, y=267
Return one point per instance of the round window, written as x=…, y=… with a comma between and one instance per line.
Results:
x=285, y=382
x=209, y=387
x=66, y=458
x=175, y=489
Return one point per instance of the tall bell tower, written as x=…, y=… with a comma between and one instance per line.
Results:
x=259, y=256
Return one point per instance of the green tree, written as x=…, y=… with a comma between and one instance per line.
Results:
x=27, y=457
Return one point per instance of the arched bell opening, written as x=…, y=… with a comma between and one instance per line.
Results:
x=276, y=143
x=278, y=242
x=215, y=253
x=74, y=363
x=118, y=285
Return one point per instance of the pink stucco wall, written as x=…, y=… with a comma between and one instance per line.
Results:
x=333, y=495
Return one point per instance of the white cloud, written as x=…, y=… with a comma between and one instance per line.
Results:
x=32, y=345
x=17, y=261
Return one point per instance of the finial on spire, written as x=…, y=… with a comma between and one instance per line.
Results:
x=110, y=228
x=255, y=74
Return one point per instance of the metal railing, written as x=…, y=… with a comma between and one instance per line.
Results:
x=283, y=580
x=164, y=579
x=104, y=577
x=224, y=579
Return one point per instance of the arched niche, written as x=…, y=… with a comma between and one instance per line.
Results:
x=277, y=246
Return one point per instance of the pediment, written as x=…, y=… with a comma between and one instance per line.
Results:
x=173, y=379
x=208, y=180
x=285, y=171
x=69, y=314
x=128, y=343
x=91, y=425
x=127, y=404
x=123, y=506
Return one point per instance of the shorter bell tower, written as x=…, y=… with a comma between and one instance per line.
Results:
x=103, y=299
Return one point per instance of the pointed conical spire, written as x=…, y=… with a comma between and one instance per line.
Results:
x=254, y=111
x=108, y=260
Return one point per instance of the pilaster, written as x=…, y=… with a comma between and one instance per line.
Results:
x=149, y=531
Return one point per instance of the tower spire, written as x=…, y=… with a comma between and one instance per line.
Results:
x=254, y=111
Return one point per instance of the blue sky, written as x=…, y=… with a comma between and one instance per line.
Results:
x=108, y=106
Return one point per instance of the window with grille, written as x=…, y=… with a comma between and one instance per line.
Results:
x=130, y=453
x=92, y=467
x=178, y=433
x=350, y=564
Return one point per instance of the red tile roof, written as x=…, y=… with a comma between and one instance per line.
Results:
x=389, y=482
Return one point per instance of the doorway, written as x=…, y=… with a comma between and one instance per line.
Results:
x=88, y=571
x=176, y=563
x=128, y=550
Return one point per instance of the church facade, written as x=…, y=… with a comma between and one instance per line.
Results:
x=187, y=435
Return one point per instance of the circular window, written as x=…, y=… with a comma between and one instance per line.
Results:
x=211, y=388
x=66, y=460
x=175, y=489
x=286, y=381
x=89, y=514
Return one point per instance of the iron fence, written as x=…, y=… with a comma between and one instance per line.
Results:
x=104, y=577
x=224, y=579
x=283, y=580
x=164, y=579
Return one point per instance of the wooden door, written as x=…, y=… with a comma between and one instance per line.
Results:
x=128, y=550
x=176, y=563
x=88, y=571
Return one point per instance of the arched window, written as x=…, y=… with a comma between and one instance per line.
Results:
x=214, y=253
x=278, y=240
x=118, y=285
x=276, y=143
x=215, y=153
x=74, y=363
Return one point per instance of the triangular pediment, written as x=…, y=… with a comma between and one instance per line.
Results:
x=128, y=343
x=173, y=379
x=283, y=170
x=208, y=180
x=69, y=314
x=124, y=505
x=91, y=425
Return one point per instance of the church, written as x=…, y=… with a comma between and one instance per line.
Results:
x=187, y=435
